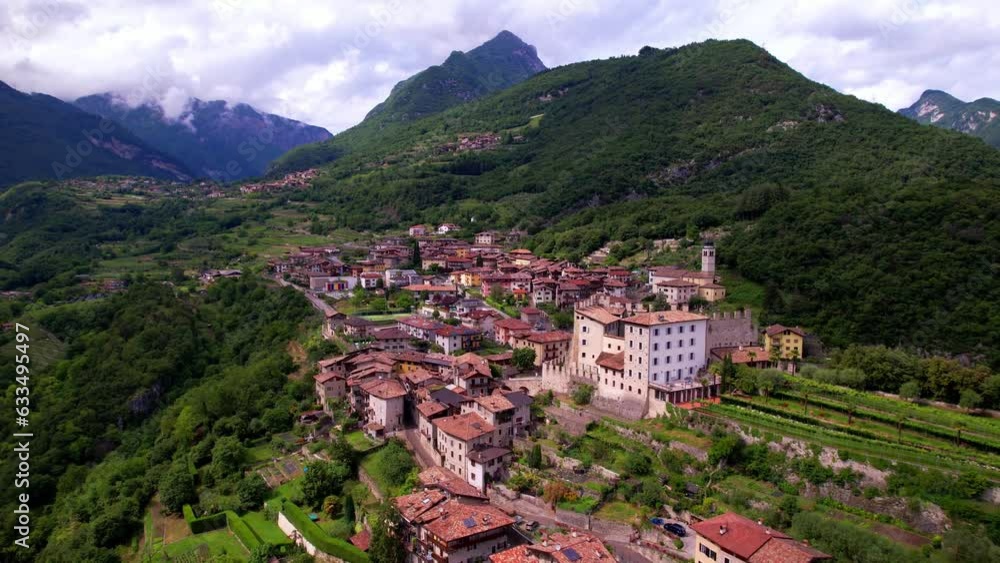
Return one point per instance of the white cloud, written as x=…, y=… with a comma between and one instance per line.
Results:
x=329, y=63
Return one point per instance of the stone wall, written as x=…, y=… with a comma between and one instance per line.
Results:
x=292, y=532
x=727, y=330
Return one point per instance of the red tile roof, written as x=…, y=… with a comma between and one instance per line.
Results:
x=788, y=551
x=741, y=355
x=512, y=324
x=431, y=408
x=778, y=329
x=494, y=403
x=456, y=520
x=362, y=540
x=611, y=361
x=412, y=506
x=391, y=333
x=736, y=534
x=465, y=427
x=575, y=547
x=549, y=337
x=447, y=481
x=663, y=317
x=384, y=389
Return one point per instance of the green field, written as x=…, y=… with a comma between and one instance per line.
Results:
x=266, y=530
x=212, y=544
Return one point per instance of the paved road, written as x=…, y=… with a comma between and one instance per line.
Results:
x=424, y=457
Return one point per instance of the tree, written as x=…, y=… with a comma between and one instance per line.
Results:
x=769, y=381
x=727, y=373
x=404, y=300
x=726, y=449
x=524, y=358
x=638, y=464
x=386, y=544
x=909, y=391
x=251, y=492
x=331, y=505
x=852, y=409
x=535, y=457
x=582, y=394
x=958, y=425
x=970, y=400
x=177, y=489
x=227, y=457
x=323, y=479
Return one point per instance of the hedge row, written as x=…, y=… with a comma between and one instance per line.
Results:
x=228, y=518
x=975, y=441
x=319, y=538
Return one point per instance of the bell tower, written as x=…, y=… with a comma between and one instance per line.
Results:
x=708, y=258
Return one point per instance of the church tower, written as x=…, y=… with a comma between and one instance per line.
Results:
x=708, y=258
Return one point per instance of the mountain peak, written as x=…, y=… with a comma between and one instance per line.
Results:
x=499, y=63
x=980, y=118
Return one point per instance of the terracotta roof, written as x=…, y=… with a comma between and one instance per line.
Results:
x=391, y=333
x=519, y=398
x=741, y=355
x=362, y=540
x=412, y=506
x=447, y=331
x=449, y=482
x=512, y=324
x=324, y=377
x=457, y=520
x=549, y=337
x=465, y=427
x=358, y=321
x=599, y=314
x=668, y=271
x=430, y=288
x=663, y=317
x=384, y=389
x=494, y=403
x=611, y=361
x=431, y=408
x=575, y=547
x=676, y=283
x=421, y=323
x=530, y=311
x=736, y=534
x=778, y=329
x=787, y=551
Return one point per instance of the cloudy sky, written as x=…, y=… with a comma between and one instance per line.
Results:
x=328, y=62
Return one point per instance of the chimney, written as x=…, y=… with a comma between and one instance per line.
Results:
x=722, y=530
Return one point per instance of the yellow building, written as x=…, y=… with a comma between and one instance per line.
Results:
x=712, y=292
x=789, y=341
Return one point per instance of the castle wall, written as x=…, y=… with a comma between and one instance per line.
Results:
x=729, y=330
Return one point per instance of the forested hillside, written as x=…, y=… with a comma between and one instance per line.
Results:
x=863, y=225
x=216, y=364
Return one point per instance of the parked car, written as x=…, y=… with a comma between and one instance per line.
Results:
x=675, y=529
x=657, y=521
x=531, y=526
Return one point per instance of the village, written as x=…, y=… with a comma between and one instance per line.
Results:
x=464, y=368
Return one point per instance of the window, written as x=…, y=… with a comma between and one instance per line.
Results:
x=707, y=552
x=680, y=343
x=656, y=332
x=640, y=345
x=668, y=345
x=680, y=329
x=691, y=356
x=691, y=343
x=668, y=330
x=656, y=346
x=656, y=361
x=692, y=328
x=668, y=359
x=584, y=341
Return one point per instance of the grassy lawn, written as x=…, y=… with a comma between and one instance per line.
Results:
x=291, y=489
x=268, y=531
x=260, y=453
x=217, y=543
x=389, y=318
x=741, y=293
x=359, y=441
x=618, y=511
x=583, y=505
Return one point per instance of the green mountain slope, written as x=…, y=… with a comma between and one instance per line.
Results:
x=864, y=225
x=980, y=118
x=213, y=139
x=495, y=65
x=499, y=63
x=43, y=137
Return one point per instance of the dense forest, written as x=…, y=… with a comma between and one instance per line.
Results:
x=865, y=226
x=152, y=386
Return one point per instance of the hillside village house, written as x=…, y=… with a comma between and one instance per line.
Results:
x=549, y=347
x=457, y=338
x=731, y=538
x=446, y=228
x=329, y=386
x=438, y=529
x=574, y=547
x=384, y=409
x=650, y=358
x=505, y=330
x=788, y=341
x=418, y=231
x=458, y=436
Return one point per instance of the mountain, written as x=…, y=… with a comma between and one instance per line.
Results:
x=214, y=139
x=44, y=137
x=499, y=63
x=980, y=118
x=861, y=224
